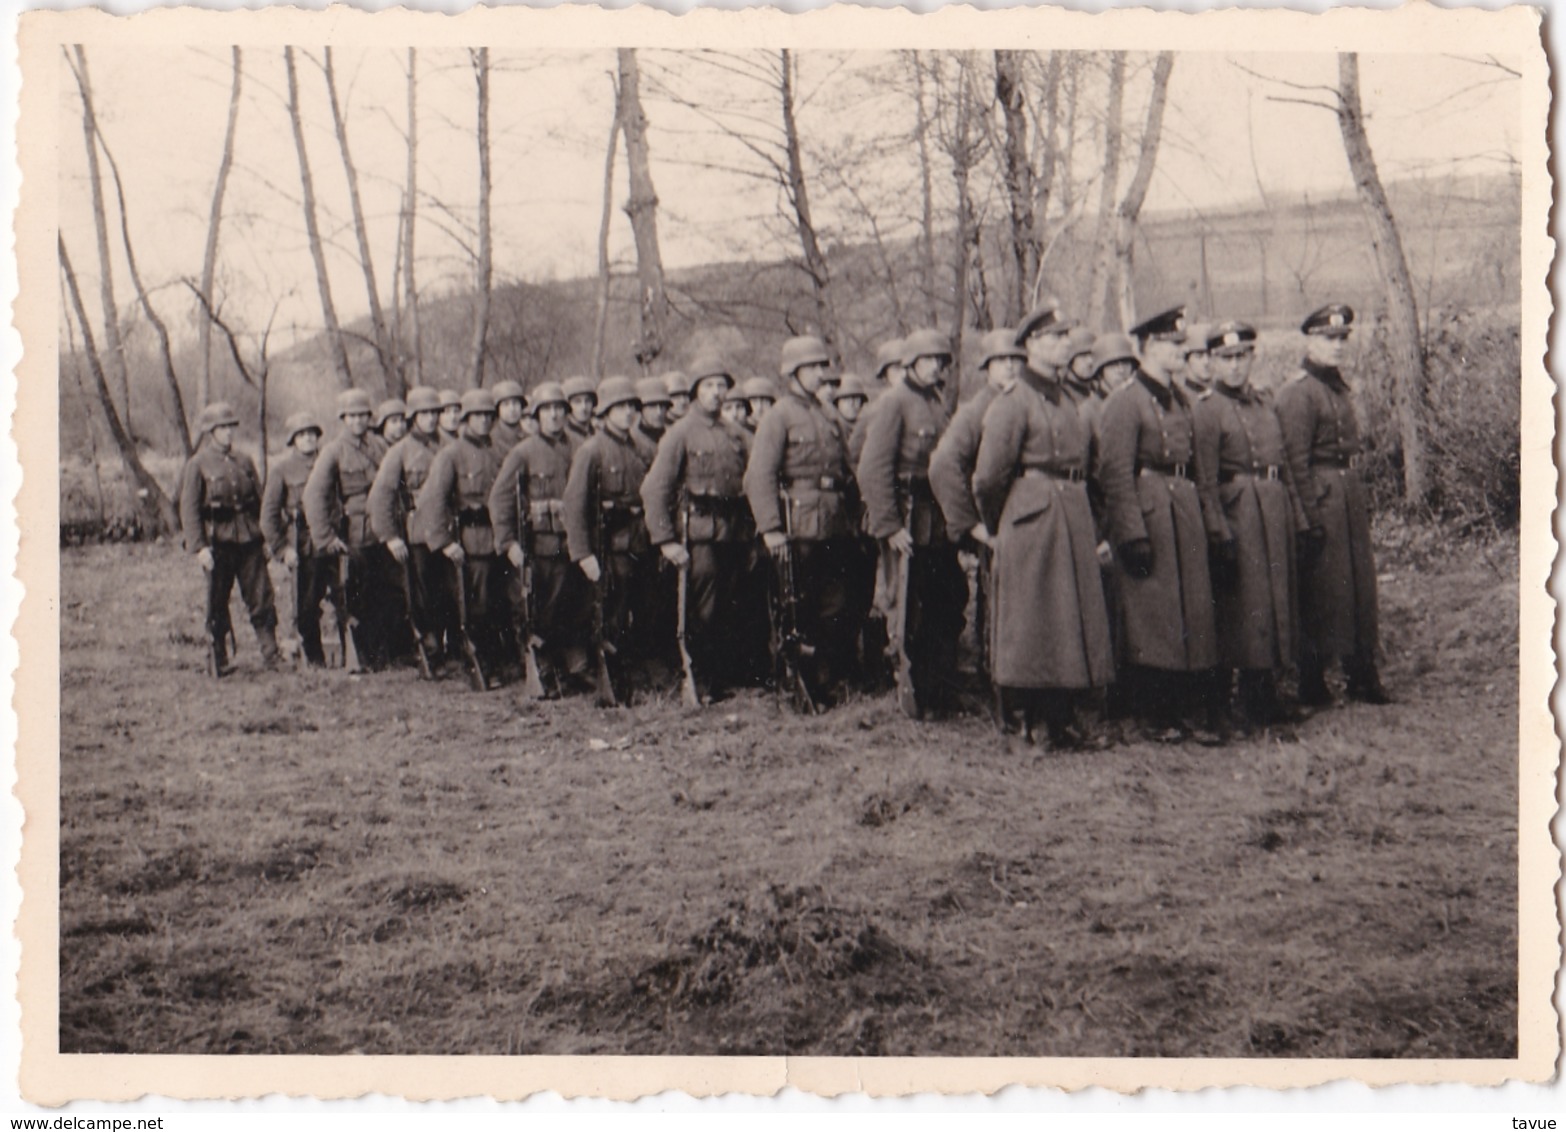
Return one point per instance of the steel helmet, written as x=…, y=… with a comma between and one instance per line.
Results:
x=615, y=391
x=391, y=407
x=926, y=343
x=549, y=393
x=508, y=390
x=889, y=353
x=761, y=387
x=297, y=423
x=354, y=401
x=477, y=401
x=999, y=343
x=214, y=416
x=577, y=386
x=450, y=399
x=709, y=365
x=677, y=383
x=852, y=385
x=653, y=391
x=423, y=399
x=736, y=392
x=1108, y=348
x=1082, y=340
x=805, y=350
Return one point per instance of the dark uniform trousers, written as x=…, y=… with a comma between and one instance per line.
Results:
x=315, y=581
x=561, y=604
x=246, y=563
x=485, y=580
x=823, y=573
x=937, y=597
x=630, y=624
x=716, y=604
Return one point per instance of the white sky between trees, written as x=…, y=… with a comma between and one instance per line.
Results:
x=164, y=113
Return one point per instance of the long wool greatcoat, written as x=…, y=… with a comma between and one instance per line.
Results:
x=1338, y=592
x=1148, y=472
x=1051, y=627
x=1241, y=454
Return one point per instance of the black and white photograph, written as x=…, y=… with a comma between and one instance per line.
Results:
x=904, y=543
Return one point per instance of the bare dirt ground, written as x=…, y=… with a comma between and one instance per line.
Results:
x=308, y=863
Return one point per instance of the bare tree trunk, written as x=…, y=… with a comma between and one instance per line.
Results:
x=481, y=301
x=963, y=237
x=799, y=196
x=214, y=220
x=927, y=196
x=385, y=348
x=111, y=311
x=1018, y=175
x=1408, y=363
x=87, y=421
x=334, y=333
x=1043, y=184
x=1068, y=146
x=152, y=501
x=642, y=207
x=410, y=210
x=1100, y=307
x=1131, y=207
x=601, y=321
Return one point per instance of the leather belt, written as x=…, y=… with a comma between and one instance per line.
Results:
x=1073, y=475
x=819, y=483
x=1179, y=471
x=611, y=507
x=1270, y=472
x=473, y=517
x=219, y=514
x=546, y=509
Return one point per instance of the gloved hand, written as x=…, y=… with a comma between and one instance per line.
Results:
x=290, y=557
x=1137, y=557
x=1223, y=562
x=336, y=546
x=1311, y=544
x=901, y=541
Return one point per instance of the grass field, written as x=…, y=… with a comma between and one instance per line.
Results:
x=307, y=863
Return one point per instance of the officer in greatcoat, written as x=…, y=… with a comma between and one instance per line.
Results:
x=1051, y=634
x=1252, y=554
x=288, y=535
x=903, y=516
x=453, y=510
x=336, y=500
x=1149, y=477
x=527, y=510
x=395, y=522
x=698, y=518
x=801, y=495
x=220, y=516
x=1338, y=571
x=606, y=533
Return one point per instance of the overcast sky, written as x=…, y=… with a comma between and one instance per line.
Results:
x=164, y=113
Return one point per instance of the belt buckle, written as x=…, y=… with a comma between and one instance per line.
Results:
x=1272, y=471
x=1179, y=470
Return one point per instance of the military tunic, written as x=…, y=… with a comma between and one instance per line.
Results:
x=283, y=524
x=701, y=462
x=1148, y=473
x=394, y=515
x=505, y=436
x=336, y=502
x=1243, y=460
x=1051, y=629
x=220, y=511
x=453, y=507
x=1338, y=613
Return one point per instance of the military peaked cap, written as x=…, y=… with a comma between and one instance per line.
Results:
x=1335, y=320
x=1046, y=316
x=1166, y=326
x=1230, y=338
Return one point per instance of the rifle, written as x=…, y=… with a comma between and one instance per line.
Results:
x=413, y=621
x=346, y=622
x=602, y=646
x=984, y=614
x=792, y=646
x=217, y=663
x=475, y=665
x=527, y=640
x=897, y=639
x=688, y=693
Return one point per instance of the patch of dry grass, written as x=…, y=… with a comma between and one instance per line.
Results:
x=299, y=862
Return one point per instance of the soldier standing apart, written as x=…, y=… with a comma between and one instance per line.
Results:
x=1338, y=569
x=220, y=515
x=1240, y=442
x=1148, y=474
x=603, y=498
x=453, y=507
x=529, y=495
x=894, y=477
x=1051, y=629
x=798, y=485
x=288, y=535
x=450, y=416
x=696, y=486
x=581, y=399
x=510, y=404
x=337, y=507
x=395, y=522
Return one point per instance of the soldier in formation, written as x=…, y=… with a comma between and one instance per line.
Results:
x=1132, y=519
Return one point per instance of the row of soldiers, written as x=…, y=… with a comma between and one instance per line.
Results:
x=1133, y=529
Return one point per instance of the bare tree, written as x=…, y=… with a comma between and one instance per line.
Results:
x=113, y=343
x=334, y=333
x=214, y=220
x=1136, y=193
x=1024, y=245
x=151, y=500
x=480, y=60
x=1099, y=296
x=799, y=198
x=255, y=373
x=385, y=348
x=601, y=318
x=926, y=192
x=642, y=207
x=166, y=351
x=410, y=211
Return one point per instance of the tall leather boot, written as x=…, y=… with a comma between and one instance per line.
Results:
x=266, y=637
x=1364, y=683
